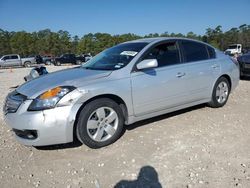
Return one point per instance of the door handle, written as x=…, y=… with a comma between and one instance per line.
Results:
x=180, y=74
x=215, y=66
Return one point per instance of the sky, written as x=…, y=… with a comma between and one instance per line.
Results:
x=141, y=17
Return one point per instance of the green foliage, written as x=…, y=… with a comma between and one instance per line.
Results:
x=46, y=42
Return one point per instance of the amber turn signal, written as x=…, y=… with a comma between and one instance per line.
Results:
x=51, y=93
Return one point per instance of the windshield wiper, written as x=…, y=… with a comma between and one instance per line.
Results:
x=92, y=68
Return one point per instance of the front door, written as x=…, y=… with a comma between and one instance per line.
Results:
x=162, y=87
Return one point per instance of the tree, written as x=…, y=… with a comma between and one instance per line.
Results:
x=5, y=42
x=46, y=42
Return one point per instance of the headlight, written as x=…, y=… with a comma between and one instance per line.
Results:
x=50, y=98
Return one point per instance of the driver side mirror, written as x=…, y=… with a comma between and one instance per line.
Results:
x=147, y=63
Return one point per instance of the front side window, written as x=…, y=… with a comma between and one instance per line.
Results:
x=194, y=51
x=165, y=54
x=116, y=57
x=71, y=56
x=6, y=57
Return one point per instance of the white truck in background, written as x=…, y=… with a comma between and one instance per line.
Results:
x=15, y=60
x=234, y=49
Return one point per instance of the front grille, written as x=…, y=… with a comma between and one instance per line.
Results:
x=13, y=101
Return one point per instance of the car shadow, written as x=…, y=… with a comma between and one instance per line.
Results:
x=73, y=144
x=147, y=177
x=76, y=143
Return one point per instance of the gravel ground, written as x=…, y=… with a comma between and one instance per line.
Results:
x=196, y=147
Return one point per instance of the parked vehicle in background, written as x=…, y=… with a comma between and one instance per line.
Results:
x=68, y=58
x=234, y=49
x=246, y=50
x=15, y=60
x=72, y=58
x=38, y=58
x=48, y=60
x=124, y=84
x=244, y=62
x=87, y=57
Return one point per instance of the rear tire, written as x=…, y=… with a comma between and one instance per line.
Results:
x=220, y=93
x=100, y=123
x=27, y=64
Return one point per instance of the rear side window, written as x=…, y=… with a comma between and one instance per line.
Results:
x=14, y=57
x=166, y=54
x=211, y=52
x=194, y=51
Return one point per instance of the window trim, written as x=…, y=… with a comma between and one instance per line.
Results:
x=207, y=46
x=134, y=68
x=183, y=54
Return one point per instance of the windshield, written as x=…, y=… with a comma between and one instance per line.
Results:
x=232, y=47
x=116, y=57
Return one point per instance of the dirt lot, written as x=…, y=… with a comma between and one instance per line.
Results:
x=197, y=147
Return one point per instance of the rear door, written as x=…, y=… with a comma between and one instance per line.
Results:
x=202, y=69
x=162, y=87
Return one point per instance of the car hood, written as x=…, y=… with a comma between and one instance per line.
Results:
x=71, y=77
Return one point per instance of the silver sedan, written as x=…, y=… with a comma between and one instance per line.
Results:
x=124, y=84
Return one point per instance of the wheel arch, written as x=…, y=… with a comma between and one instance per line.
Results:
x=27, y=62
x=228, y=78
x=113, y=97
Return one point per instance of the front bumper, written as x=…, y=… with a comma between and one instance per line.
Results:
x=53, y=126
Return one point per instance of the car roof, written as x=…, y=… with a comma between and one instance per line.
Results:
x=159, y=39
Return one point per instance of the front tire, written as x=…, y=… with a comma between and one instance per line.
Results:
x=57, y=63
x=48, y=62
x=78, y=62
x=220, y=93
x=100, y=123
